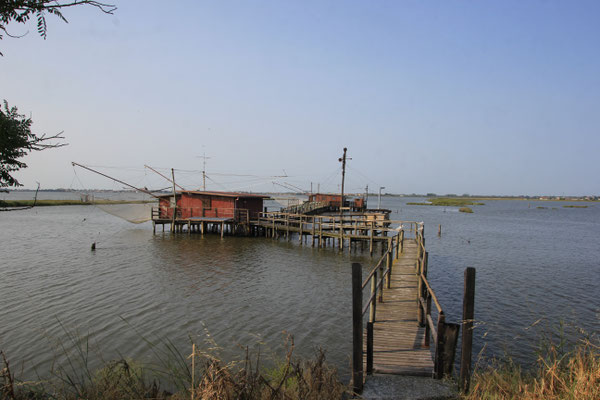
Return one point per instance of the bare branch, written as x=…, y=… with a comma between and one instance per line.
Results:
x=52, y=4
x=39, y=142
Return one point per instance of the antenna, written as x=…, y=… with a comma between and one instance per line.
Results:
x=204, y=158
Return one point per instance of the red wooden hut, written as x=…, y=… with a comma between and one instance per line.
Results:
x=198, y=204
x=334, y=201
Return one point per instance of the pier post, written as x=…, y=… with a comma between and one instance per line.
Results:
x=420, y=315
x=341, y=239
x=357, y=328
x=371, y=237
x=402, y=241
x=389, y=266
x=467, y=333
x=300, y=231
x=369, y=348
x=427, y=314
x=440, y=230
x=320, y=232
x=373, y=308
x=438, y=361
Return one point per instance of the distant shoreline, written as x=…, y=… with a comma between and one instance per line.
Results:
x=46, y=203
x=587, y=198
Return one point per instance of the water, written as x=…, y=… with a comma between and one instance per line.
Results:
x=531, y=264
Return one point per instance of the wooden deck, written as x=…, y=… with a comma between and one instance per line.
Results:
x=397, y=337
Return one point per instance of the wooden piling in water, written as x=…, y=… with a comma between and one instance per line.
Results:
x=467, y=332
x=357, y=328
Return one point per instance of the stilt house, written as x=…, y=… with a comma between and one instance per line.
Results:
x=198, y=204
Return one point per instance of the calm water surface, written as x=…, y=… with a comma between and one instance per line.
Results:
x=531, y=264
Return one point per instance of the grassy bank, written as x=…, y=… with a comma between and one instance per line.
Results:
x=45, y=203
x=560, y=374
x=448, y=202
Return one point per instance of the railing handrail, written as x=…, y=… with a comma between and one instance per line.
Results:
x=432, y=293
x=366, y=281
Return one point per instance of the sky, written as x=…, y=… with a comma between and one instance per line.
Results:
x=479, y=97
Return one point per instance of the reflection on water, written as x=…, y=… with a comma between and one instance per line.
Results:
x=531, y=263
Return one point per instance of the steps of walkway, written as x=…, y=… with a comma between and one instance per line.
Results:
x=397, y=387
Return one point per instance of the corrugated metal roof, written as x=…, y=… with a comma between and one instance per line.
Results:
x=220, y=194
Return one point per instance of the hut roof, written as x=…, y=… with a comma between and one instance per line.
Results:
x=219, y=194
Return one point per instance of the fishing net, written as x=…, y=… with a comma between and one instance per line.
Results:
x=136, y=213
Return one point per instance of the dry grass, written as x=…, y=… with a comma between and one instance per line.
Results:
x=574, y=375
x=247, y=379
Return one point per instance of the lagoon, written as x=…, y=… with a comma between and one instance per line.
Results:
x=534, y=267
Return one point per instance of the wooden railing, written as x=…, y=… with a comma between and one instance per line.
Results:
x=339, y=223
x=379, y=276
x=237, y=214
x=444, y=334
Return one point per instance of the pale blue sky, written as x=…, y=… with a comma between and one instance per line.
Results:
x=488, y=97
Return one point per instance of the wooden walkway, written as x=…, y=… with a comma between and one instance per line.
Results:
x=397, y=338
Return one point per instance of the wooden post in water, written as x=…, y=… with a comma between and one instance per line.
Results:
x=320, y=232
x=357, y=329
x=450, y=339
x=438, y=360
x=313, y=231
x=341, y=233
x=369, y=348
x=371, y=237
x=300, y=231
x=440, y=230
x=467, y=333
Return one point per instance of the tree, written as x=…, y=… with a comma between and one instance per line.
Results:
x=20, y=11
x=16, y=140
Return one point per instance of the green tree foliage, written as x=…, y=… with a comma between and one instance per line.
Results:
x=21, y=11
x=16, y=140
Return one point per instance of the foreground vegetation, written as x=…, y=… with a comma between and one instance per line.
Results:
x=44, y=203
x=199, y=376
x=560, y=374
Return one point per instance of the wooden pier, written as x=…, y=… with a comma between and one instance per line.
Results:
x=406, y=332
x=397, y=337
x=340, y=230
